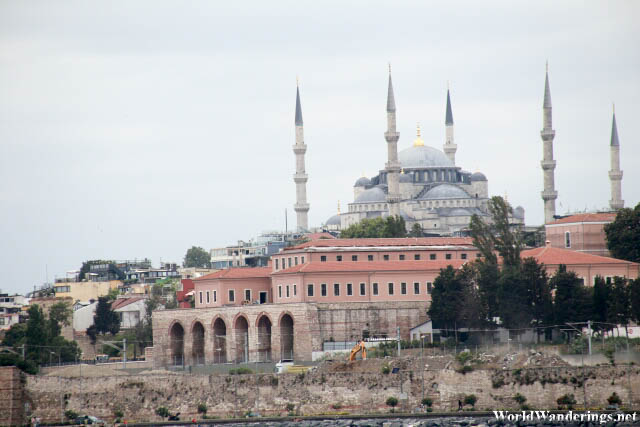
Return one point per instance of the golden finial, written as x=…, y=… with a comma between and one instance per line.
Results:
x=297, y=81
x=506, y=197
x=418, y=141
x=547, y=66
x=338, y=207
x=402, y=171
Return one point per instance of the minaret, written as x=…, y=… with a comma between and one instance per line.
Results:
x=615, y=174
x=392, y=166
x=300, y=177
x=549, y=194
x=449, y=146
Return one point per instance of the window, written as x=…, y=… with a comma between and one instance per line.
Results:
x=302, y=260
x=386, y=257
x=295, y=260
x=310, y=290
x=336, y=289
x=338, y=257
x=429, y=287
x=416, y=288
x=363, y=287
x=416, y=257
x=463, y=256
x=354, y=257
x=567, y=239
x=208, y=298
x=287, y=291
x=349, y=289
x=323, y=289
x=390, y=288
x=403, y=288
x=401, y=257
x=447, y=256
x=200, y=293
x=289, y=262
x=247, y=294
x=370, y=257
x=295, y=290
x=232, y=295
x=432, y=256
x=375, y=288
x=279, y=291
x=215, y=296
x=323, y=258
x=276, y=263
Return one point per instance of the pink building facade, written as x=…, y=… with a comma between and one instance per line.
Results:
x=234, y=286
x=581, y=232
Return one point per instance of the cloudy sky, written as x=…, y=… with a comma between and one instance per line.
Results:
x=132, y=129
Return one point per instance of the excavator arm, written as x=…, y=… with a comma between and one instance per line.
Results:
x=359, y=347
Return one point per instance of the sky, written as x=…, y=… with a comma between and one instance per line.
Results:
x=133, y=129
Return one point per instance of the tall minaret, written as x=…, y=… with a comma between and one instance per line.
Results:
x=615, y=174
x=300, y=177
x=549, y=194
x=392, y=166
x=450, y=147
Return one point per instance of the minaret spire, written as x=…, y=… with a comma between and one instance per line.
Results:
x=300, y=177
x=449, y=147
x=392, y=167
x=615, y=174
x=549, y=194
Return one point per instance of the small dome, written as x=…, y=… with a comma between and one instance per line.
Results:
x=405, y=177
x=334, y=220
x=519, y=212
x=374, y=194
x=478, y=176
x=445, y=191
x=362, y=182
x=423, y=156
x=459, y=212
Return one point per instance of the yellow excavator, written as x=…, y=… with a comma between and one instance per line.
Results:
x=357, y=349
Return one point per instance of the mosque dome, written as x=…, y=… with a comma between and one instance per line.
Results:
x=445, y=191
x=519, y=212
x=362, y=182
x=374, y=194
x=334, y=220
x=423, y=156
x=478, y=176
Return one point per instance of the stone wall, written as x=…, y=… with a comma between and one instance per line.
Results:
x=11, y=396
x=321, y=392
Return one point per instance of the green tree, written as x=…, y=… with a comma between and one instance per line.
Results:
x=498, y=235
x=105, y=319
x=634, y=297
x=488, y=275
x=36, y=335
x=600, y=303
x=619, y=307
x=447, y=299
x=513, y=297
x=539, y=299
x=416, y=230
x=391, y=226
x=60, y=315
x=623, y=234
x=572, y=301
x=197, y=257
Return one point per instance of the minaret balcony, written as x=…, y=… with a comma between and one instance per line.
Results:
x=548, y=165
x=301, y=207
x=547, y=134
x=391, y=167
x=392, y=136
x=615, y=175
x=549, y=195
x=300, y=148
x=300, y=178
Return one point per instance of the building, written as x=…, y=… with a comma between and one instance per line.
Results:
x=254, y=253
x=131, y=310
x=422, y=184
x=84, y=291
x=580, y=232
x=234, y=286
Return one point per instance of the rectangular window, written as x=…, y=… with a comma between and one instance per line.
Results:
x=323, y=289
x=295, y=260
x=208, y=298
x=215, y=296
x=390, y=288
x=567, y=239
x=432, y=256
x=309, y=290
x=247, y=294
x=463, y=256
x=401, y=257
x=276, y=263
x=386, y=257
x=200, y=293
x=354, y=257
x=323, y=258
x=363, y=287
x=287, y=291
x=232, y=295
x=416, y=257
x=349, y=289
x=336, y=289
x=302, y=260
x=279, y=291
x=375, y=288
x=403, y=288
x=289, y=262
x=370, y=257
x=338, y=257
x=478, y=255
x=447, y=256
x=429, y=287
x=416, y=288
x=295, y=290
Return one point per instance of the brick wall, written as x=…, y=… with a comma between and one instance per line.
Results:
x=11, y=396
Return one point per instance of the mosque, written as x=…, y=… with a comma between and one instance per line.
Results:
x=420, y=183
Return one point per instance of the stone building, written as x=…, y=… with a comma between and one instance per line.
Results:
x=580, y=232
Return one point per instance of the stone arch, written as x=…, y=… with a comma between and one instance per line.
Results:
x=219, y=340
x=286, y=335
x=241, y=329
x=197, y=343
x=263, y=324
x=176, y=343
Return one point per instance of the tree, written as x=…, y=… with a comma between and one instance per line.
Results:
x=539, y=299
x=498, y=235
x=623, y=234
x=391, y=226
x=600, y=302
x=60, y=314
x=447, y=299
x=572, y=301
x=36, y=335
x=105, y=319
x=416, y=230
x=634, y=297
x=488, y=274
x=619, y=307
x=197, y=257
x=513, y=297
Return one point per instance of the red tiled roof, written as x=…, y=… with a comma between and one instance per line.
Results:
x=587, y=217
x=122, y=302
x=237, y=273
x=550, y=256
x=320, y=236
x=371, y=266
x=393, y=241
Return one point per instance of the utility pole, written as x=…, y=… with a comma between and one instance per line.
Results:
x=398, y=333
x=124, y=353
x=589, y=333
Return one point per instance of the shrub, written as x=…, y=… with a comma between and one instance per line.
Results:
x=118, y=413
x=290, y=407
x=470, y=399
x=162, y=412
x=614, y=399
x=567, y=400
x=386, y=368
x=392, y=401
x=427, y=402
x=464, y=369
x=240, y=371
x=429, y=409
x=202, y=408
x=520, y=399
x=70, y=415
x=464, y=356
x=336, y=405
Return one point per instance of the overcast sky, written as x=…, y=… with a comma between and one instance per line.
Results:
x=132, y=129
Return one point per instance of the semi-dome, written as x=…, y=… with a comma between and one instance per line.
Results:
x=445, y=191
x=423, y=156
x=362, y=182
x=334, y=220
x=374, y=194
x=459, y=212
x=478, y=176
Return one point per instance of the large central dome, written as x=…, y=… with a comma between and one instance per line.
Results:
x=422, y=156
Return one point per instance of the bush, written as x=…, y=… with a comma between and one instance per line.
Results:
x=427, y=402
x=464, y=356
x=336, y=405
x=567, y=400
x=70, y=415
x=118, y=413
x=202, y=408
x=520, y=399
x=386, y=368
x=162, y=412
x=240, y=371
x=470, y=399
x=614, y=399
x=290, y=407
x=464, y=369
x=392, y=401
